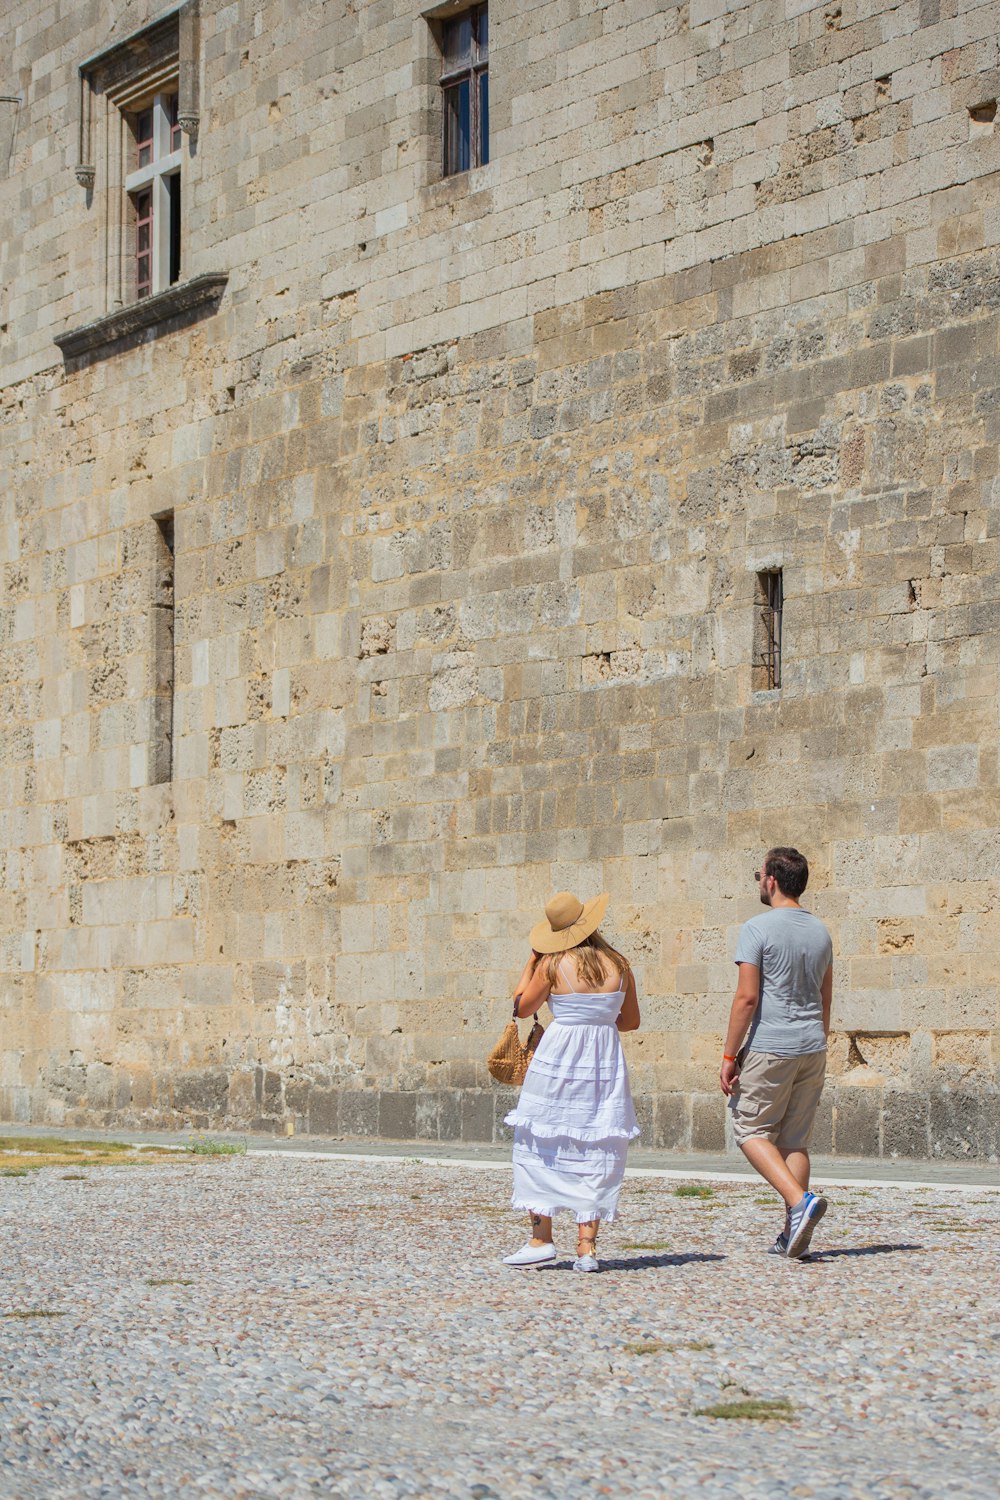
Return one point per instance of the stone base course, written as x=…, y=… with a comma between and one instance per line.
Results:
x=870, y=1122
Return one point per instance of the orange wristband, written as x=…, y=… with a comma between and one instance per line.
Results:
x=727, y=1058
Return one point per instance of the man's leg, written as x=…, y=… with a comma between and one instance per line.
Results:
x=764, y=1156
x=797, y=1163
x=765, y=1087
x=793, y=1143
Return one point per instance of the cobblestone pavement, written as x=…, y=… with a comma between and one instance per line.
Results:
x=283, y=1328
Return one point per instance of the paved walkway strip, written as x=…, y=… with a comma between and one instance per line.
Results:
x=871, y=1171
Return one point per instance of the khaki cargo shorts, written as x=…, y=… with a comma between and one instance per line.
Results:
x=776, y=1098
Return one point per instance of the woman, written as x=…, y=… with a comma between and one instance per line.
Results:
x=575, y=1116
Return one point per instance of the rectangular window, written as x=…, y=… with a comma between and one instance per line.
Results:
x=143, y=242
x=138, y=112
x=144, y=138
x=154, y=190
x=767, y=631
x=174, y=123
x=465, y=86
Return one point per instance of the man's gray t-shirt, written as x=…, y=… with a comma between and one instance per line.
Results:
x=792, y=950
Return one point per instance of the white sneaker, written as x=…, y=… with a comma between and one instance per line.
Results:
x=531, y=1255
x=586, y=1263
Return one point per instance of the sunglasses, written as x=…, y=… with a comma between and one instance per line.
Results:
x=757, y=875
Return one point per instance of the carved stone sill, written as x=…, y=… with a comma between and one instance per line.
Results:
x=146, y=313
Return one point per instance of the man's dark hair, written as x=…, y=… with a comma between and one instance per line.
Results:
x=790, y=869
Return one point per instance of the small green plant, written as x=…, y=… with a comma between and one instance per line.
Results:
x=73, y=1176
x=215, y=1148
x=657, y=1346
x=646, y=1245
x=753, y=1410
x=36, y=1312
x=694, y=1190
x=168, y=1281
x=958, y=1228
x=14, y=1171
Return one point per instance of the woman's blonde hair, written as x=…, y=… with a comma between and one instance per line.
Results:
x=592, y=958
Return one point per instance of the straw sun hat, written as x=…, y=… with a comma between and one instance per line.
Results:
x=568, y=920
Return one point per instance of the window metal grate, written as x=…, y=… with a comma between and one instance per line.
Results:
x=767, y=630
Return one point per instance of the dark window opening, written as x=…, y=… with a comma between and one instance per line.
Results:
x=767, y=631
x=174, y=194
x=465, y=89
x=164, y=633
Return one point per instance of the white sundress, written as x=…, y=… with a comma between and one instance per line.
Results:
x=575, y=1116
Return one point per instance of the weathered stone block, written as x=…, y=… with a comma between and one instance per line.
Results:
x=358, y=1113
x=477, y=1116
x=821, y=1142
x=397, y=1116
x=671, y=1122
x=450, y=1115
x=708, y=1122
x=201, y=1091
x=906, y=1125
x=857, y=1114
x=324, y=1111
x=965, y=1125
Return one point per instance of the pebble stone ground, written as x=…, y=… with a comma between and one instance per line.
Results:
x=268, y=1327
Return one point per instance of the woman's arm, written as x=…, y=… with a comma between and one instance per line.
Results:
x=628, y=1016
x=526, y=973
x=534, y=987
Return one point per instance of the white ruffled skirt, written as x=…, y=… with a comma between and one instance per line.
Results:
x=573, y=1124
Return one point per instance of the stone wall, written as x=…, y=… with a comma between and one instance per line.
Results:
x=471, y=482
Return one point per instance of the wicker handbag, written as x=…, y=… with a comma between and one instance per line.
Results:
x=508, y=1062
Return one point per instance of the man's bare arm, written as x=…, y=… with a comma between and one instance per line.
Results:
x=740, y=1016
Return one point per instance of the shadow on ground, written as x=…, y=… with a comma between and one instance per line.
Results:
x=647, y=1262
x=853, y=1251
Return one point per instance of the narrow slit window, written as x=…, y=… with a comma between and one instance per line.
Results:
x=164, y=635
x=767, y=630
x=465, y=89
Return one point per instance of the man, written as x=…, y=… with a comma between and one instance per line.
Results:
x=784, y=994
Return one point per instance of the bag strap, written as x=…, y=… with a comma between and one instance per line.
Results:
x=517, y=1001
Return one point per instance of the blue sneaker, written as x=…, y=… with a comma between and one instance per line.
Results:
x=780, y=1246
x=801, y=1222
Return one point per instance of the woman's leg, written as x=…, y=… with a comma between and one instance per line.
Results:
x=586, y=1237
x=541, y=1229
